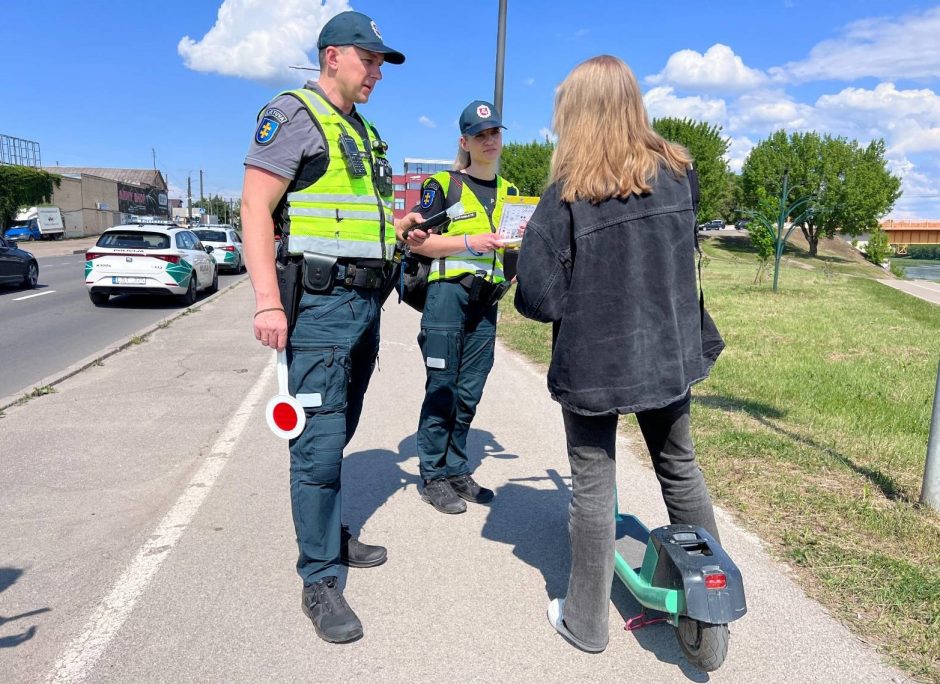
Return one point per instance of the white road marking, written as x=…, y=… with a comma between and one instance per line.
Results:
x=38, y=294
x=77, y=662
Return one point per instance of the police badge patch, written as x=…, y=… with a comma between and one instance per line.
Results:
x=427, y=197
x=269, y=125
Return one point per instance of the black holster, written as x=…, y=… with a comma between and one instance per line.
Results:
x=483, y=292
x=289, y=282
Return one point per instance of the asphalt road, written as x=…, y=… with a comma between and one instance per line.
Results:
x=146, y=536
x=55, y=325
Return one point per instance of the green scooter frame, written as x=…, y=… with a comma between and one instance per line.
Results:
x=687, y=576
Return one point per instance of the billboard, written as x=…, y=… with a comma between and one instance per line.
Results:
x=141, y=200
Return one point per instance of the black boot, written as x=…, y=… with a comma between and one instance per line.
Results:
x=332, y=617
x=440, y=494
x=467, y=488
x=355, y=554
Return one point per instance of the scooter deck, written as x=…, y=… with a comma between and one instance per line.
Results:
x=631, y=540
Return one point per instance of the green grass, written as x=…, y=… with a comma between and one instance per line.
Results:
x=813, y=429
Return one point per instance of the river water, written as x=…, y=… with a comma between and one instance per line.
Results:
x=923, y=272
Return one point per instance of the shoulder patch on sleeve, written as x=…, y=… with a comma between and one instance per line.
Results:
x=270, y=123
x=427, y=197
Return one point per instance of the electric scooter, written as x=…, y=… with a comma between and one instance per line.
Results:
x=688, y=576
x=685, y=574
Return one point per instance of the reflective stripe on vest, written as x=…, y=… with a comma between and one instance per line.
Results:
x=339, y=214
x=464, y=262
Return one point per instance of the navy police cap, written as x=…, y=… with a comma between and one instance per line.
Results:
x=478, y=116
x=355, y=28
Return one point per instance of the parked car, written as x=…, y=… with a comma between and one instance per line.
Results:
x=715, y=224
x=17, y=266
x=226, y=246
x=149, y=259
x=742, y=224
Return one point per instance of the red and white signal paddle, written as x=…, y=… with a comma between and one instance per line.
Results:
x=285, y=414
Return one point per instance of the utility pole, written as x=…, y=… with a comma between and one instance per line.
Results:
x=930, y=492
x=201, y=197
x=154, y=152
x=500, y=56
x=189, y=197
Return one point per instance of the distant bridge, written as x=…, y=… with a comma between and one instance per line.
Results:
x=903, y=233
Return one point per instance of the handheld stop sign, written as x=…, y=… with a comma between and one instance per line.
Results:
x=284, y=413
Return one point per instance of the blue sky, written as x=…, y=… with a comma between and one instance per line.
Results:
x=103, y=83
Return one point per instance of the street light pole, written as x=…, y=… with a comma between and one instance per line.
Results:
x=776, y=231
x=500, y=57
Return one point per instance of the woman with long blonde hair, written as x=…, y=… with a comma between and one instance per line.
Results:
x=609, y=259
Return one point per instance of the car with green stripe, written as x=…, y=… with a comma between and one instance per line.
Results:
x=226, y=245
x=149, y=258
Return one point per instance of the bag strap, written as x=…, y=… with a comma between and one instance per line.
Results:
x=454, y=190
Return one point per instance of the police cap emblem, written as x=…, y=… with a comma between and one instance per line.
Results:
x=483, y=111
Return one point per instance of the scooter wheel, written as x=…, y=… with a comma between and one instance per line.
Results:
x=705, y=645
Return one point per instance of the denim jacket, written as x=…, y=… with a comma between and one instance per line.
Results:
x=617, y=280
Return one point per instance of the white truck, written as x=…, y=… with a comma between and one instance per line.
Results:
x=36, y=223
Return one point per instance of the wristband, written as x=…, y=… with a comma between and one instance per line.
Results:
x=273, y=308
x=469, y=248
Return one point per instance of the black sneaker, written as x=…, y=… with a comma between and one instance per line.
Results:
x=332, y=617
x=441, y=495
x=355, y=554
x=466, y=488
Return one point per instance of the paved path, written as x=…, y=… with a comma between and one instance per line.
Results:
x=927, y=290
x=145, y=535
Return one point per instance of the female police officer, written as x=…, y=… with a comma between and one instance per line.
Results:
x=458, y=328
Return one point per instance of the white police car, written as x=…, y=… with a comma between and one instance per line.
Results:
x=226, y=245
x=149, y=259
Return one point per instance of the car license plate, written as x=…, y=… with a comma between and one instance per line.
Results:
x=116, y=280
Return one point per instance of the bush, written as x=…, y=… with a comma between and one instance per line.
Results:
x=923, y=251
x=877, y=249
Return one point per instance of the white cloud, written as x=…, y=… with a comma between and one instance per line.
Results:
x=259, y=40
x=886, y=48
x=529, y=81
x=738, y=151
x=767, y=111
x=546, y=133
x=580, y=33
x=718, y=70
x=425, y=121
x=662, y=101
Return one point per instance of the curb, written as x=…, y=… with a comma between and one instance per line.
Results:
x=25, y=394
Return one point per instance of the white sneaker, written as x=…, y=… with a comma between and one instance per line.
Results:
x=556, y=618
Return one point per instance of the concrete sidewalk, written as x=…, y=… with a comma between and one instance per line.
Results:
x=461, y=597
x=927, y=290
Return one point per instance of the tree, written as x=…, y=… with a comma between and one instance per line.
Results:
x=708, y=148
x=227, y=211
x=526, y=165
x=23, y=186
x=850, y=185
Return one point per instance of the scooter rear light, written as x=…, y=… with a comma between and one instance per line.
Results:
x=716, y=580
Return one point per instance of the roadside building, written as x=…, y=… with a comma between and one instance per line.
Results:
x=408, y=184
x=94, y=199
x=904, y=233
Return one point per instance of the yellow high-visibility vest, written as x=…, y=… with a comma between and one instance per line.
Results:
x=464, y=262
x=341, y=215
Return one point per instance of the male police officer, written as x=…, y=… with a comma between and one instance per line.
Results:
x=317, y=169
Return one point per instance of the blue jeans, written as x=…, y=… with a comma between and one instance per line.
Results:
x=457, y=339
x=331, y=356
x=591, y=527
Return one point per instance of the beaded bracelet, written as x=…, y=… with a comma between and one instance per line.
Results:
x=273, y=308
x=469, y=248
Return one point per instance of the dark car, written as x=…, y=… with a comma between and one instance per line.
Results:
x=742, y=224
x=17, y=266
x=716, y=224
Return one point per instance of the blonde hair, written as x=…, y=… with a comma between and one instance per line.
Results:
x=606, y=147
x=462, y=160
